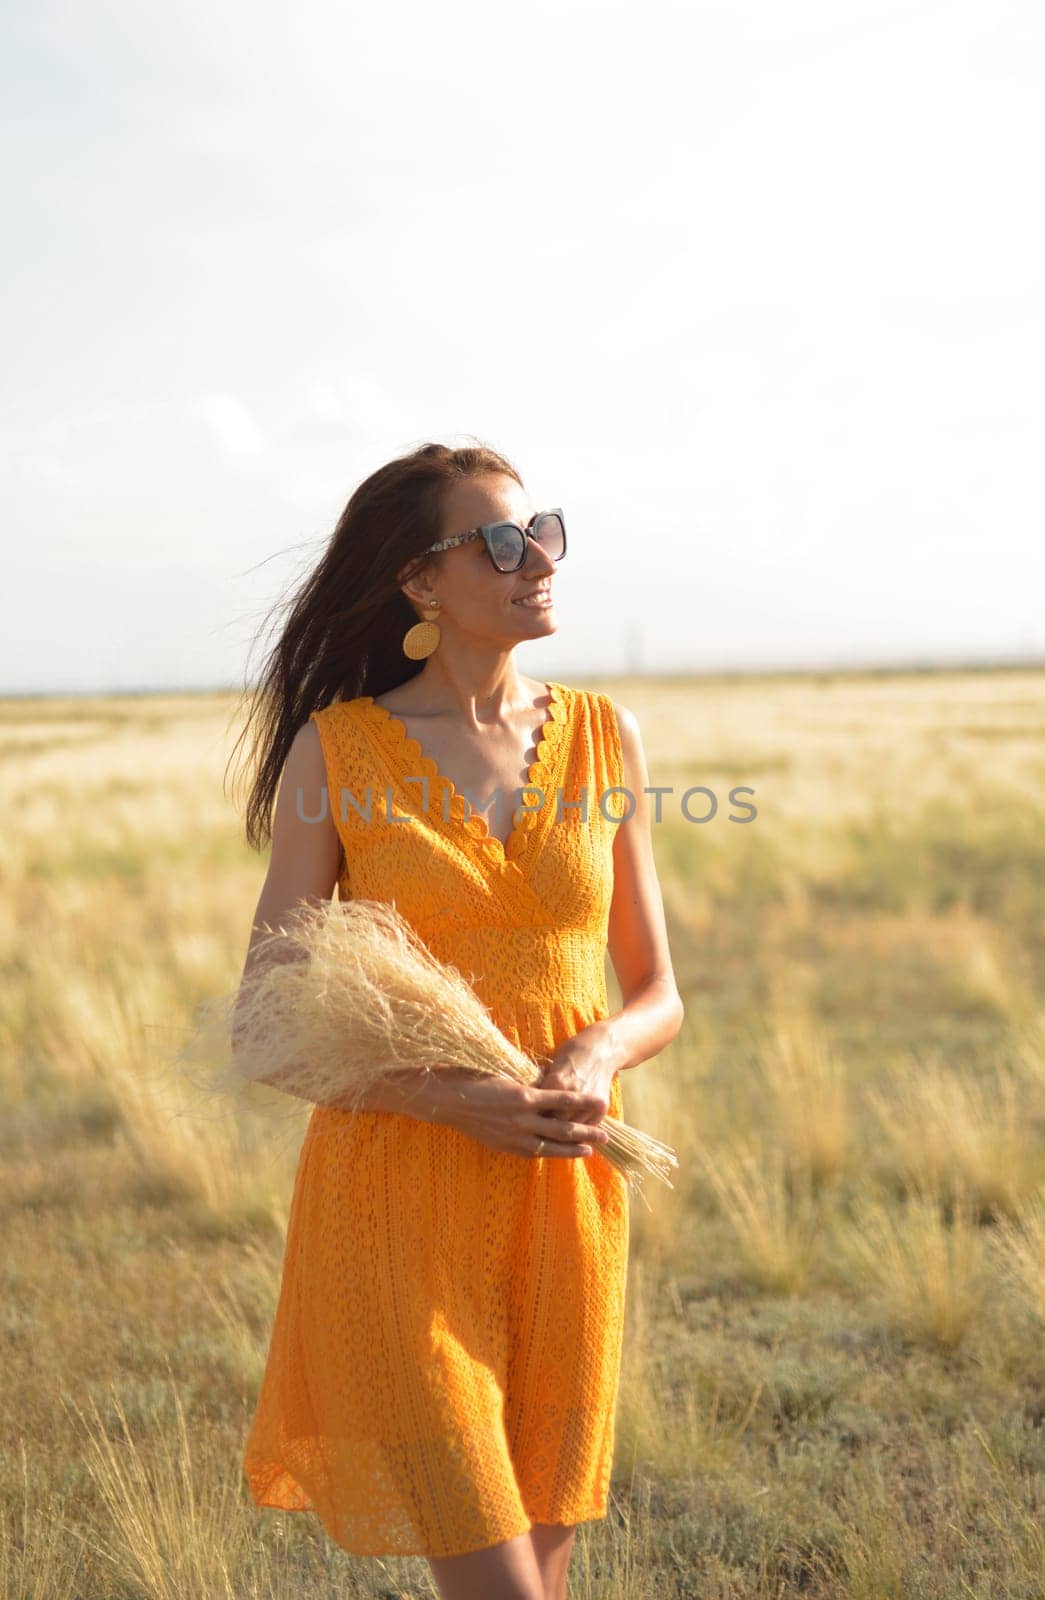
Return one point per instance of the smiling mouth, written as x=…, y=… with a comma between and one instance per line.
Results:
x=537, y=601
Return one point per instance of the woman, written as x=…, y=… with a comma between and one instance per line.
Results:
x=443, y=1368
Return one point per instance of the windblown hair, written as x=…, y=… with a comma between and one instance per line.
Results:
x=343, y=634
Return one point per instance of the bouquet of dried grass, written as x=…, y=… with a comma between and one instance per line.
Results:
x=344, y=993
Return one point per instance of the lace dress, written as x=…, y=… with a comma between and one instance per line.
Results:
x=443, y=1366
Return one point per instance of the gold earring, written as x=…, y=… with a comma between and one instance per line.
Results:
x=420, y=640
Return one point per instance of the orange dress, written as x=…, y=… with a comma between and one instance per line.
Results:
x=444, y=1362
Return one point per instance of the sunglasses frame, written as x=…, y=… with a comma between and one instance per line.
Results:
x=486, y=532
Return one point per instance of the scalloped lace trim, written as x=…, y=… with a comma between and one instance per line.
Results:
x=541, y=772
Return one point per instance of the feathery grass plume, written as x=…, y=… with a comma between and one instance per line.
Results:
x=346, y=993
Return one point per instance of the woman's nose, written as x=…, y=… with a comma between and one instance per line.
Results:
x=537, y=558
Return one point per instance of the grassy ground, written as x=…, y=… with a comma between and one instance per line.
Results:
x=834, y=1372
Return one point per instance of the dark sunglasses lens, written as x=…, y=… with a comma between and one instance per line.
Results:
x=506, y=546
x=551, y=535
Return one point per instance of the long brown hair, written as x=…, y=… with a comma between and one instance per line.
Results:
x=343, y=635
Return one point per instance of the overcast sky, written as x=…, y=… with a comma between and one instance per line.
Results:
x=754, y=291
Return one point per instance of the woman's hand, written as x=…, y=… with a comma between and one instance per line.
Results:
x=516, y=1118
x=586, y=1065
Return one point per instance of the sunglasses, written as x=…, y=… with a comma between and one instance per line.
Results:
x=506, y=541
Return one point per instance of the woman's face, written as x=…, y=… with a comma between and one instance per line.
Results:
x=474, y=598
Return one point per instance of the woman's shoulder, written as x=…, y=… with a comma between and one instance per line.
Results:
x=338, y=726
x=606, y=706
x=615, y=730
x=336, y=712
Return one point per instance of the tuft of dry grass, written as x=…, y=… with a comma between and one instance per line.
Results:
x=1020, y=1241
x=772, y=1208
x=1030, y=1035
x=39, y=1558
x=952, y=1134
x=806, y=1082
x=926, y=1265
x=177, y=1521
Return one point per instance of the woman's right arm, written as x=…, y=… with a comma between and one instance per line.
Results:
x=303, y=866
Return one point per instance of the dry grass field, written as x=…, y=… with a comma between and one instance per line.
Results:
x=834, y=1369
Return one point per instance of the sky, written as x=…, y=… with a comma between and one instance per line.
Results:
x=754, y=292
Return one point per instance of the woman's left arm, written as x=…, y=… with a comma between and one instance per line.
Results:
x=652, y=1011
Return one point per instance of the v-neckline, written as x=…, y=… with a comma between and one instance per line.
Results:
x=507, y=856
